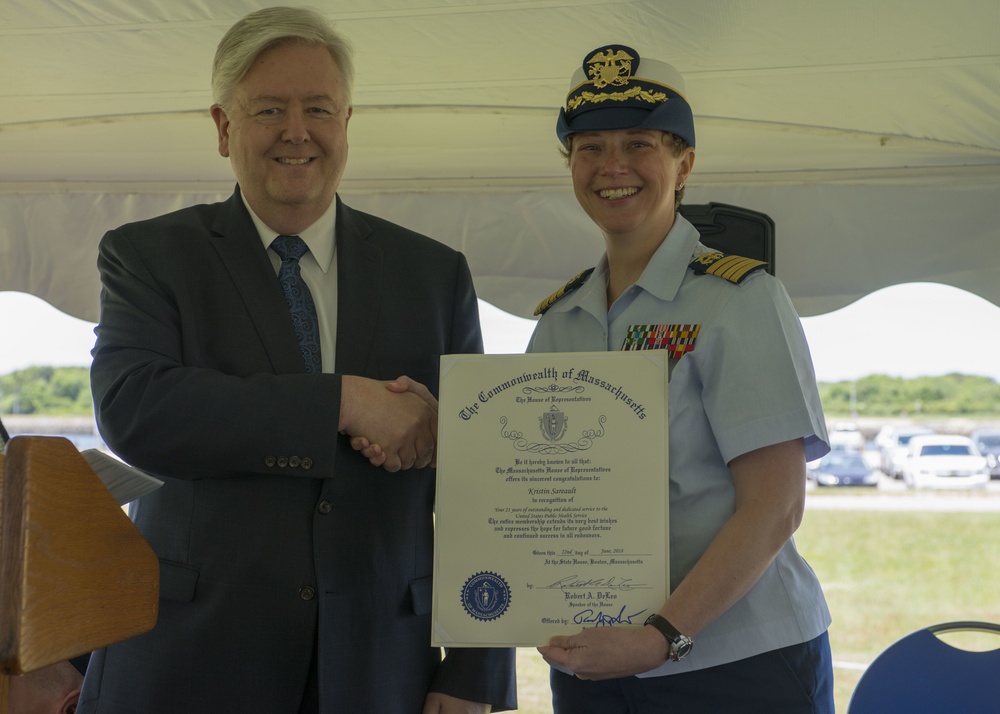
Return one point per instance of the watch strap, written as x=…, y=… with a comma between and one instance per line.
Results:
x=678, y=645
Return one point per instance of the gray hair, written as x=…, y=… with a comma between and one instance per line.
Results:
x=271, y=27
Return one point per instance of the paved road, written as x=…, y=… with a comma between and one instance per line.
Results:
x=894, y=496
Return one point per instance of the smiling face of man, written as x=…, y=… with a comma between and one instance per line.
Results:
x=285, y=134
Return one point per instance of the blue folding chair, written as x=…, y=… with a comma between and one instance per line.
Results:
x=922, y=673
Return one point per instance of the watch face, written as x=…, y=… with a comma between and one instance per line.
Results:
x=680, y=647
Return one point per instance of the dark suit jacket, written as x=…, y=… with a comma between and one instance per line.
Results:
x=273, y=535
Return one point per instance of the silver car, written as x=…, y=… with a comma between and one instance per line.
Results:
x=988, y=443
x=893, y=442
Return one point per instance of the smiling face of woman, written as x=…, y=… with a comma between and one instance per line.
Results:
x=625, y=180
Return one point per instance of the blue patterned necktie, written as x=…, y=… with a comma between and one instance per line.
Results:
x=299, y=299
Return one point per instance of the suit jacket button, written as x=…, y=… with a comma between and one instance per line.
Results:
x=294, y=461
x=270, y=461
x=307, y=463
x=307, y=592
x=325, y=506
x=282, y=462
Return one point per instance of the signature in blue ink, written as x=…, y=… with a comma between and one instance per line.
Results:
x=600, y=619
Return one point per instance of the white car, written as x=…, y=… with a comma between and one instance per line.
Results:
x=944, y=461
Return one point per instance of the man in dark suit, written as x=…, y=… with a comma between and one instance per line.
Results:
x=295, y=575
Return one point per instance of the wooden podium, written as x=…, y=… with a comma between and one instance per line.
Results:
x=75, y=574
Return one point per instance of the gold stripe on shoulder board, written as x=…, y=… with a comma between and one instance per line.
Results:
x=566, y=289
x=734, y=268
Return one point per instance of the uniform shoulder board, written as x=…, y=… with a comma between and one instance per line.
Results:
x=734, y=268
x=563, y=291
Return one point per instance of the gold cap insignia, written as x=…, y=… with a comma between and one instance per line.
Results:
x=610, y=67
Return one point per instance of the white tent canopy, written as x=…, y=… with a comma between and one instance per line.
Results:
x=869, y=131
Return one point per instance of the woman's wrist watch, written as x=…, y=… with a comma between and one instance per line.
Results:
x=678, y=645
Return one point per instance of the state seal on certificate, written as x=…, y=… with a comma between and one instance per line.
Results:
x=552, y=495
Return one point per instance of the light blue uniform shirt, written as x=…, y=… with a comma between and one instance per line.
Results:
x=747, y=383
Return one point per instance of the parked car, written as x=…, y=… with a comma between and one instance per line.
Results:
x=893, y=442
x=846, y=435
x=988, y=443
x=843, y=467
x=944, y=461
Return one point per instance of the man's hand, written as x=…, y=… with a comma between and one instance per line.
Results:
x=437, y=703
x=394, y=424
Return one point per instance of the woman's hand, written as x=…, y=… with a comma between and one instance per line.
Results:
x=608, y=652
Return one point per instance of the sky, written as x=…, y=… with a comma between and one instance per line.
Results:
x=913, y=330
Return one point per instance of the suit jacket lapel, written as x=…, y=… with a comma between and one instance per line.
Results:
x=238, y=244
x=359, y=288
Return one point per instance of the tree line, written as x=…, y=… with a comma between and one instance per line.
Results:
x=56, y=391
x=66, y=391
x=878, y=395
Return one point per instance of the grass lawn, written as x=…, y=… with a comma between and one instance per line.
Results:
x=885, y=574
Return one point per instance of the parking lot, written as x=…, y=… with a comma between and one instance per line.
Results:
x=892, y=495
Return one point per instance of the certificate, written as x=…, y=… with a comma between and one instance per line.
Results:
x=551, y=511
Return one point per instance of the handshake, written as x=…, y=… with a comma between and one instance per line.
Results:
x=392, y=424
